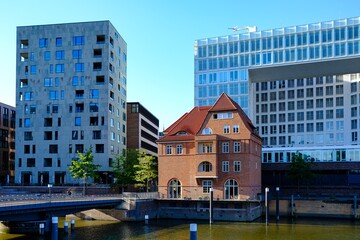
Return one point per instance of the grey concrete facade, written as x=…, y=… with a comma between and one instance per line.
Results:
x=70, y=96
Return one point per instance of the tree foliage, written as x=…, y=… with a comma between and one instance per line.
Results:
x=123, y=167
x=300, y=169
x=146, y=170
x=83, y=167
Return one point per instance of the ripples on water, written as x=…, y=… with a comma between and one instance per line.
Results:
x=300, y=229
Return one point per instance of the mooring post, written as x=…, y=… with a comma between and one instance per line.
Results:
x=292, y=205
x=54, y=228
x=66, y=227
x=266, y=206
x=193, y=231
x=146, y=219
x=72, y=222
x=277, y=203
x=355, y=206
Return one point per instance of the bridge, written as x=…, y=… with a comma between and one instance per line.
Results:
x=33, y=207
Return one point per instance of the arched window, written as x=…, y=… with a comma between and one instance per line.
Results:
x=231, y=189
x=174, y=189
x=206, y=131
x=205, y=167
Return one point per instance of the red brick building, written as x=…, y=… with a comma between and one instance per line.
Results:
x=211, y=147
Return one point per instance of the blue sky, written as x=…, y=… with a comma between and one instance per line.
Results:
x=160, y=37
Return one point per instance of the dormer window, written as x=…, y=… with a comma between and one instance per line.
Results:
x=206, y=131
x=225, y=115
x=181, y=133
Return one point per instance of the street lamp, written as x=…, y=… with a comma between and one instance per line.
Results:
x=266, y=205
x=50, y=186
x=211, y=205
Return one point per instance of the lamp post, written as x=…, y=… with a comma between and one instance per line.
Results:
x=277, y=204
x=50, y=186
x=266, y=205
x=211, y=205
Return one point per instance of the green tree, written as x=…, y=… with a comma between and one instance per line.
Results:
x=123, y=168
x=83, y=167
x=300, y=169
x=146, y=170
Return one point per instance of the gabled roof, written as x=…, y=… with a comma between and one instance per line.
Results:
x=225, y=103
x=189, y=125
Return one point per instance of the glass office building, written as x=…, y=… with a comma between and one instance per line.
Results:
x=299, y=85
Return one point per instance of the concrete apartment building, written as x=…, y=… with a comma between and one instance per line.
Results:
x=7, y=144
x=211, y=147
x=70, y=96
x=299, y=85
x=142, y=129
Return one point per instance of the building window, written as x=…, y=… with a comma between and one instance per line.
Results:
x=205, y=148
x=206, y=184
x=236, y=129
x=77, y=54
x=78, y=40
x=58, y=41
x=225, y=147
x=179, y=149
x=99, y=148
x=30, y=162
x=77, y=121
x=237, y=147
x=168, y=149
x=43, y=42
x=60, y=55
x=53, y=148
x=225, y=166
x=174, y=188
x=226, y=129
x=206, y=131
x=205, y=167
x=231, y=189
x=237, y=166
x=59, y=68
x=47, y=162
x=79, y=67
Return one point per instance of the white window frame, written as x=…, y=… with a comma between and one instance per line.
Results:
x=225, y=147
x=226, y=129
x=225, y=166
x=237, y=166
x=179, y=149
x=237, y=147
x=206, y=185
x=168, y=149
x=236, y=129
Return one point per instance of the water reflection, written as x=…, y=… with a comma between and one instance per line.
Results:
x=298, y=229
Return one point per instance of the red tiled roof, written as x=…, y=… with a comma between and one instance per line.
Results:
x=225, y=103
x=191, y=123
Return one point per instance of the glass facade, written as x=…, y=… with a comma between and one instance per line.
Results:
x=317, y=116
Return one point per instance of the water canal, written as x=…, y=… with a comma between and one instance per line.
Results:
x=299, y=229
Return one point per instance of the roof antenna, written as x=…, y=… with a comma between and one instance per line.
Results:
x=249, y=29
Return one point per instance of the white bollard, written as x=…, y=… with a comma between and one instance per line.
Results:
x=72, y=225
x=146, y=219
x=66, y=227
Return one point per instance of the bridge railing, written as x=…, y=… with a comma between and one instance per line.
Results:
x=16, y=199
x=140, y=195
